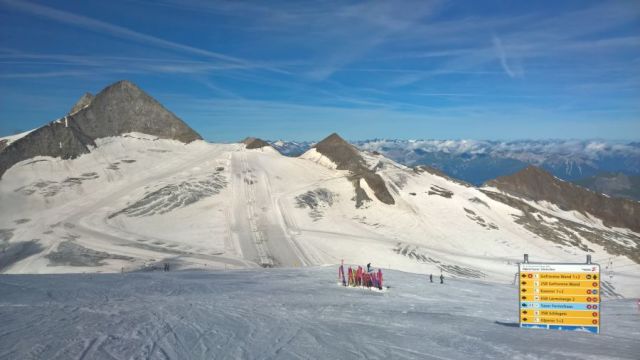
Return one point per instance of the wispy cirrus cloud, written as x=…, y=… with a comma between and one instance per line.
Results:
x=122, y=32
x=502, y=56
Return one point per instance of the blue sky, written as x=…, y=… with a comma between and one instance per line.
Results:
x=301, y=70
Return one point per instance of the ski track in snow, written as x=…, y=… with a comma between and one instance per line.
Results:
x=283, y=314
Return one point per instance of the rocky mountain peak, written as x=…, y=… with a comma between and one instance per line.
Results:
x=118, y=109
x=254, y=143
x=347, y=157
x=123, y=107
x=343, y=154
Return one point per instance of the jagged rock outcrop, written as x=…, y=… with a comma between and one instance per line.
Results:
x=347, y=157
x=83, y=102
x=536, y=184
x=255, y=143
x=118, y=109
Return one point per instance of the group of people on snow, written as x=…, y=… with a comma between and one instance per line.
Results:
x=441, y=278
x=359, y=277
x=369, y=278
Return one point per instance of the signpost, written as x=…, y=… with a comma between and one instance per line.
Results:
x=560, y=296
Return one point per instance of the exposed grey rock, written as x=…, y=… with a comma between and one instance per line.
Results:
x=17, y=251
x=5, y=235
x=118, y=109
x=471, y=215
x=70, y=253
x=536, y=184
x=255, y=143
x=84, y=101
x=175, y=196
x=123, y=107
x=479, y=201
x=316, y=200
x=364, y=221
x=361, y=196
x=49, y=188
x=56, y=139
x=440, y=191
x=570, y=233
x=347, y=157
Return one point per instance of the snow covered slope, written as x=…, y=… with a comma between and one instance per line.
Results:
x=285, y=314
x=137, y=201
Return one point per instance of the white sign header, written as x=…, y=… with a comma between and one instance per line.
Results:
x=562, y=268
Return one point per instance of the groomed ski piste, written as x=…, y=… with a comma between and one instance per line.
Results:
x=285, y=314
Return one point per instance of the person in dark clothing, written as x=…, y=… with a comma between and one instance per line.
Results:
x=441, y=279
x=369, y=267
x=431, y=277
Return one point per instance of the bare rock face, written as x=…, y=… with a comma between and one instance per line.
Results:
x=118, y=109
x=536, y=184
x=347, y=157
x=83, y=102
x=123, y=107
x=255, y=143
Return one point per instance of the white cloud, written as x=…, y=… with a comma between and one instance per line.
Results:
x=502, y=56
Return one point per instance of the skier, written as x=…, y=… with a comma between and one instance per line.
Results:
x=369, y=267
x=441, y=279
x=430, y=277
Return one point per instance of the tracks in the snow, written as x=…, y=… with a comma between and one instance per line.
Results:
x=258, y=235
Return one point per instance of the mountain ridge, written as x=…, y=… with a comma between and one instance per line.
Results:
x=347, y=157
x=118, y=109
x=536, y=184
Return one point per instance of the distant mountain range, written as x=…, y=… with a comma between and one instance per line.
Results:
x=479, y=161
x=291, y=148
